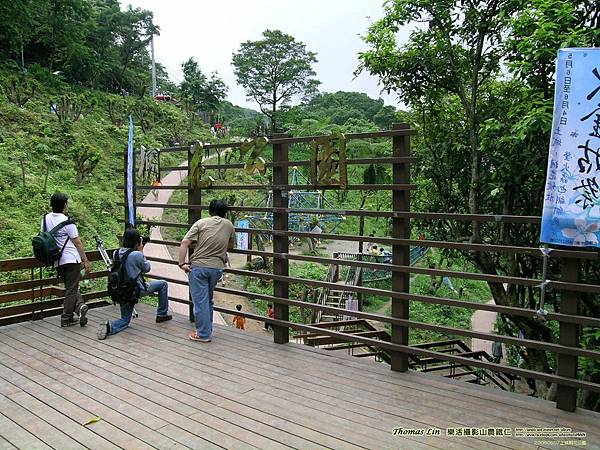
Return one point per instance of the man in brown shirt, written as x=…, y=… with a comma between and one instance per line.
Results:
x=213, y=236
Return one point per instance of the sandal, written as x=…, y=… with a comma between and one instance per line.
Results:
x=195, y=337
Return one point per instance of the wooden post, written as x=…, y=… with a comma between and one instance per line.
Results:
x=361, y=232
x=194, y=198
x=566, y=397
x=400, y=253
x=281, y=335
x=249, y=255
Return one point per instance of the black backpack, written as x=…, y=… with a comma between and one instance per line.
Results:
x=122, y=288
x=44, y=244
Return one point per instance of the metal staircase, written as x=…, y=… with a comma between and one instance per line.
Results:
x=338, y=298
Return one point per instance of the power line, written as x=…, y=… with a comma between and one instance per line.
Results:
x=172, y=73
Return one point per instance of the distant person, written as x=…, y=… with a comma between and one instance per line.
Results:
x=313, y=242
x=374, y=250
x=223, y=275
x=135, y=265
x=370, y=244
x=71, y=258
x=239, y=321
x=271, y=314
x=213, y=237
x=155, y=184
x=497, y=352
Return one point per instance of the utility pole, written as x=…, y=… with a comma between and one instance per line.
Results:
x=153, y=67
x=23, y=59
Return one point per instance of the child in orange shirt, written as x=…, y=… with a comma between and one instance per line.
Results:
x=155, y=184
x=239, y=321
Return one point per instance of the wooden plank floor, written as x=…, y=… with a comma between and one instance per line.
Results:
x=153, y=388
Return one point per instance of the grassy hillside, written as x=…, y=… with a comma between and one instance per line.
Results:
x=39, y=151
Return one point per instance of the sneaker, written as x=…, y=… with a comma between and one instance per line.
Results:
x=68, y=322
x=103, y=330
x=194, y=337
x=166, y=318
x=83, y=320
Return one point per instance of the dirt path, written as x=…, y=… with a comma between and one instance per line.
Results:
x=484, y=322
x=160, y=251
x=171, y=271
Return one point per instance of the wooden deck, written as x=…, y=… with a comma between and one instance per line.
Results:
x=153, y=388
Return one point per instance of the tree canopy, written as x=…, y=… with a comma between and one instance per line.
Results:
x=92, y=42
x=478, y=77
x=274, y=70
x=340, y=107
x=204, y=93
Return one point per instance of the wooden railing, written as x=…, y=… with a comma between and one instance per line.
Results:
x=39, y=295
x=567, y=349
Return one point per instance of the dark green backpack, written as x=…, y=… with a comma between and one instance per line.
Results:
x=44, y=244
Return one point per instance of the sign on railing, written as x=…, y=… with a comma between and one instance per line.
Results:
x=572, y=199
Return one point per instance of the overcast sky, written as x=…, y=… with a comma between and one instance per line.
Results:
x=211, y=31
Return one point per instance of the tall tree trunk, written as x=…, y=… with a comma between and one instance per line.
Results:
x=273, y=111
x=475, y=172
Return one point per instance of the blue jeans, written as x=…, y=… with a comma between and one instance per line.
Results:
x=161, y=287
x=202, y=284
x=123, y=322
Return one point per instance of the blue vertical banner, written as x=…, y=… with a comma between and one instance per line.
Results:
x=571, y=214
x=130, y=176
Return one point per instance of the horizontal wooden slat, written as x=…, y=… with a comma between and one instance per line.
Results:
x=412, y=242
x=30, y=294
x=509, y=310
x=156, y=223
x=389, y=267
x=559, y=285
x=19, y=285
x=547, y=346
x=284, y=187
x=28, y=263
x=46, y=312
x=298, y=140
x=534, y=220
x=302, y=163
x=47, y=304
x=555, y=253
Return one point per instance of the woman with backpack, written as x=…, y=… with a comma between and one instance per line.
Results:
x=129, y=264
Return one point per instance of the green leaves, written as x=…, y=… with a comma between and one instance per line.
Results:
x=274, y=70
x=19, y=89
x=202, y=93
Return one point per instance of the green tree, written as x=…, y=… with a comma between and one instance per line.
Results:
x=201, y=93
x=274, y=70
x=484, y=137
x=62, y=29
x=19, y=89
x=17, y=24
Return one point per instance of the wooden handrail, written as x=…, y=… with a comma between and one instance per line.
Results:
x=8, y=265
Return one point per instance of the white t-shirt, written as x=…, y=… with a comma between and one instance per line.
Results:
x=70, y=253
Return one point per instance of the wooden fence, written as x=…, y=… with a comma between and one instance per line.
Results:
x=567, y=349
x=36, y=294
